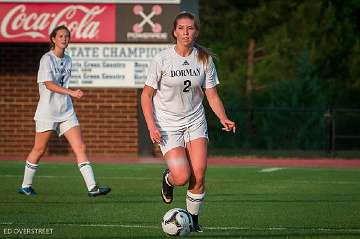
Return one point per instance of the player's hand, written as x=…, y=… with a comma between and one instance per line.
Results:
x=155, y=135
x=228, y=125
x=76, y=94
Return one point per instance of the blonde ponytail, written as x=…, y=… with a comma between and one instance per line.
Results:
x=204, y=54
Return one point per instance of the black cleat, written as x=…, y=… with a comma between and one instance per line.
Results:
x=196, y=228
x=166, y=191
x=97, y=191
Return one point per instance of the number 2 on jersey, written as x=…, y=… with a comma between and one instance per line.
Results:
x=187, y=85
x=62, y=80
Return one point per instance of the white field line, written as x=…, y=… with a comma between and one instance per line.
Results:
x=313, y=229
x=269, y=170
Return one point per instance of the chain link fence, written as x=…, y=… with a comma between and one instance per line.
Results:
x=327, y=131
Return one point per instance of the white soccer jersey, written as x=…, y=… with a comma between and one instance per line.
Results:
x=52, y=106
x=178, y=82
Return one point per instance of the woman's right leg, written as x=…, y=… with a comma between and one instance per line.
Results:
x=177, y=173
x=178, y=166
x=38, y=150
x=41, y=141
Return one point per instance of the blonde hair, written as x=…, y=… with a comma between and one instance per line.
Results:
x=54, y=32
x=203, y=52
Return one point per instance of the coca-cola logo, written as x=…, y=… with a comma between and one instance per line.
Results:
x=21, y=21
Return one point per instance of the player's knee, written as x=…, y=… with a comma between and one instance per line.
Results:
x=180, y=175
x=180, y=179
x=180, y=171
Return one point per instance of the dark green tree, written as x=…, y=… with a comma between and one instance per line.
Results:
x=305, y=56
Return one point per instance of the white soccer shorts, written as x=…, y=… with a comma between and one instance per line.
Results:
x=179, y=138
x=59, y=127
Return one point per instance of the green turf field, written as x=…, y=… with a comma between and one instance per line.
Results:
x=241, y=202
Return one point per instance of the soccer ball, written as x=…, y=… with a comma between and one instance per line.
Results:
x=177, y=222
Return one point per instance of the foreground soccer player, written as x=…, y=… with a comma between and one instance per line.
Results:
x=171, y=101
x=55, y=112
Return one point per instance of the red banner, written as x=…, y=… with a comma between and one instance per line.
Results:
x=23, y=22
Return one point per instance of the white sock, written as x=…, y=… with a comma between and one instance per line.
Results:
x=30, y=170
x=194, y=202
x=88, y=175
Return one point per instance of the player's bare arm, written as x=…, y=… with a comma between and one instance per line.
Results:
x=218, y=108
x=147, y=107
x=61, y=90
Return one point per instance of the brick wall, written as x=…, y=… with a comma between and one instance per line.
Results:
x=108, y=117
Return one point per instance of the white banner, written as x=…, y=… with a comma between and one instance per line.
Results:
x=111, y=65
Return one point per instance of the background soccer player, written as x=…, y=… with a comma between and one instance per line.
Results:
x=171, y=101
x=55, y=112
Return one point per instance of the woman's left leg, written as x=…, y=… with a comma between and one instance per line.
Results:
x=197, y=156
x=74, y=137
